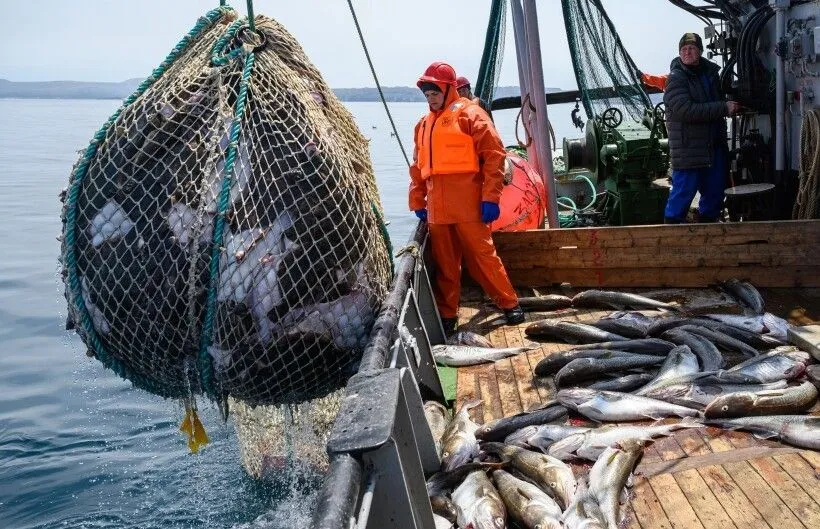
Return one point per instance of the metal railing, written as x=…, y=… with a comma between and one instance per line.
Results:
x=380, y=446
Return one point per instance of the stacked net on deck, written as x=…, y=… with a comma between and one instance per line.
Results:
x=607, y=76
x=239, y=132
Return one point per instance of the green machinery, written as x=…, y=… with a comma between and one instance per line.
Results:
x=627, y=157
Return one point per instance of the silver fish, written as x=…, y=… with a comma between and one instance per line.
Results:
x=466, y=355
x=551, y=474
x=500, y=428
x=699, y=394
x=111, y=223
x=625, y=383
x=590, y=444
x=459, y=444
x=437, y=419
x=612, y=406
x=797, y=430
x=618, y=300
x=647, y=346
x=607, y=478
x=745, y=294
x=570, y=332
x=586, y=368
x=545, y=303
x=441, y=522
x=554, y=361
x=541, y=437
x=469, y=338
x=479, y=504
x=721, y=340
x=527, y=503
x=768, y=367
x=680, y=361
x=790, y=400
x=708, y=355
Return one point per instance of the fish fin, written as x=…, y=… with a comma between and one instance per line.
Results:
x=689, y=422
x=192, y=427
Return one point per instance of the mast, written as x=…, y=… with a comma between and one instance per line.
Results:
x=525, y=25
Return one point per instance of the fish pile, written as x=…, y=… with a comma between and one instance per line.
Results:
x=730, y=371
x=277, y=305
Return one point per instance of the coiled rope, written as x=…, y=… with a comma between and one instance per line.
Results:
x=807, y=205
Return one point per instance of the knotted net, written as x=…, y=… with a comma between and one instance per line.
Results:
x=606, y=74
x=223, y=231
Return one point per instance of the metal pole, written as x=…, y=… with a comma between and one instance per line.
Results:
x=541, y=134
x=522, y=57
x=780, y=7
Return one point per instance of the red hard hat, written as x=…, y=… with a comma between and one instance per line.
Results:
x=438, y=72
x=461, y=82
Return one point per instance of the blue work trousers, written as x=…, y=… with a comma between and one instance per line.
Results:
x=709, y=181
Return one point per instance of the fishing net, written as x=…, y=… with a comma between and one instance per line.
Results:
x=223, y=231
x=607, y=77
x=490, y=68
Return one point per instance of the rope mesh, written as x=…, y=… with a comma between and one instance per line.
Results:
x=490, y=68
x=302, y=265
x=600, y=61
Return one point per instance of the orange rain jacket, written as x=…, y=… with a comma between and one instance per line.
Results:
x=458, y=162
x=655, y=81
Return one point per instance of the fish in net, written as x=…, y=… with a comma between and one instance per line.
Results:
x=223, y=231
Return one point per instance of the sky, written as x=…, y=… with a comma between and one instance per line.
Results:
x=114, y=40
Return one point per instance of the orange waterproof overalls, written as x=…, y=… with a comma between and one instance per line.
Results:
x=458, y=163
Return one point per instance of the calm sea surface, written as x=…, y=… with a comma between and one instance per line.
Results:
x=79, y=447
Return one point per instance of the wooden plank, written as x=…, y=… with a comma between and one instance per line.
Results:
x=801, y=471
x=477, y=414
x=527, y=393
x=760, y=276
x=674, y=503
x=697, y=256
x=660, y=235
x=732, y=498
x=630, y=521
x=703, y=501
x=765, y=500
x=647, y=508
x=717, y=458
x=490, y=395
x=801, y=504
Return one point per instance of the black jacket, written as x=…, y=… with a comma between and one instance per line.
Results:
x=695, y=112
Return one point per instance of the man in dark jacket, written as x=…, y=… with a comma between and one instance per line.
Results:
x=695, y=118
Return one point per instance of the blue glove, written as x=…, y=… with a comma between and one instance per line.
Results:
x=489, y=212
x=421, y=213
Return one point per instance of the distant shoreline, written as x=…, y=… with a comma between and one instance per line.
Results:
x=121, y=90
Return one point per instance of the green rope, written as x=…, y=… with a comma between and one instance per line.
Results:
x=251, y=17
x=385, y=235
x=206, y=372
x=76, y=182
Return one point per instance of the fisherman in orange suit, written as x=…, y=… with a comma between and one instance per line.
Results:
x=455, y=185
x=465, y=90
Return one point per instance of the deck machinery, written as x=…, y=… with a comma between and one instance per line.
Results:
x=627, y=156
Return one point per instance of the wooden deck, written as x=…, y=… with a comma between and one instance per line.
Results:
x=697, y=478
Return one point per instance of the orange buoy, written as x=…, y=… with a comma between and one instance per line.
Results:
x=523, y=199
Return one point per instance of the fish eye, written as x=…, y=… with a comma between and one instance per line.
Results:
x=554, y=484
x=499, y=522
x=725, y=407
x=445, y=454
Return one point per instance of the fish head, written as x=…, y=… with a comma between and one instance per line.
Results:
x=488, y=514
x=731, y=405
x=456, y=451
x=571, y=398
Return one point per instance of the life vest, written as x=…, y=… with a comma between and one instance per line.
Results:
x=443, y=148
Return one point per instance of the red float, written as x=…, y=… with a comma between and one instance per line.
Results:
x=523, y=198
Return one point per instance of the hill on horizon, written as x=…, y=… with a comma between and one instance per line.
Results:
x=122, y=89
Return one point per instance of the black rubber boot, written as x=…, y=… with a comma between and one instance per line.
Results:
x=449, y=325
x=514, y=315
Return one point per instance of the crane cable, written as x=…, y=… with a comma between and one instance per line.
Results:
x=376, y=79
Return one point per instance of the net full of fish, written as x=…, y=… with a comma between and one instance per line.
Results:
x=230, y=248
